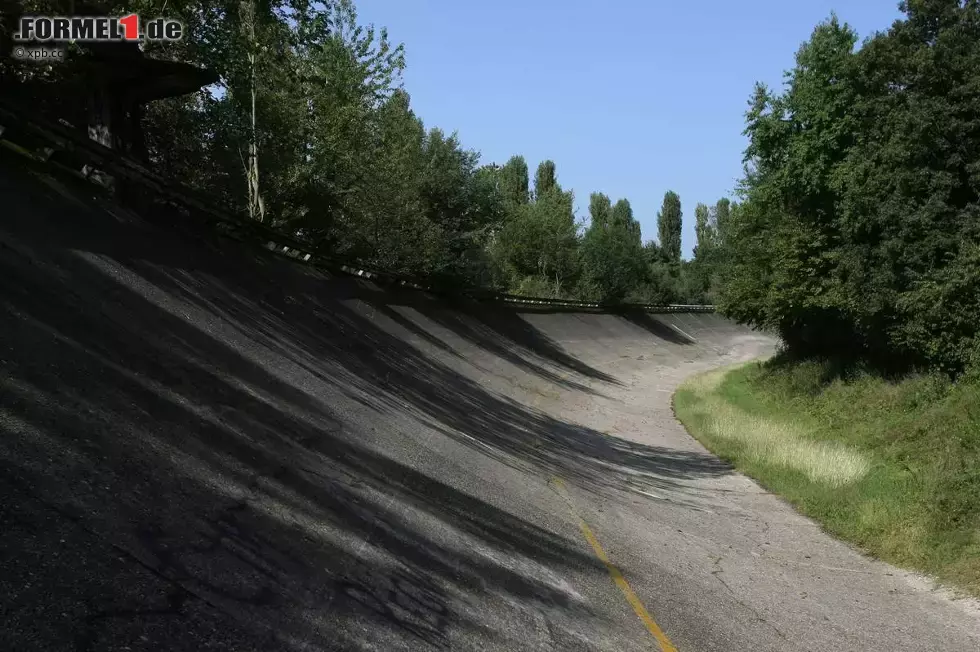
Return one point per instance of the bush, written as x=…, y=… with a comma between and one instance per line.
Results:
x=859, y=235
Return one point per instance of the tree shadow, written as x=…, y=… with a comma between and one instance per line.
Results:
x=246, y=429
x=238, y=487
x=503, y=333
x=499, y=330
x=655, y=327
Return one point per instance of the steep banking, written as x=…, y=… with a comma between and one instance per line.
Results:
x=206, y=445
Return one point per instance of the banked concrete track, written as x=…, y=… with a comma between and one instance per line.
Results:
x=204, y=448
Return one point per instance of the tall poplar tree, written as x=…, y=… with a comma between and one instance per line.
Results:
x=669, y=226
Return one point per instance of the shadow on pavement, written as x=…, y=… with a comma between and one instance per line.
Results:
x=173, y=400
x=655, y=327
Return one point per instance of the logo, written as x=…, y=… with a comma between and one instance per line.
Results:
x=97, y=29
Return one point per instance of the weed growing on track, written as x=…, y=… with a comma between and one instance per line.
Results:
x=891, y=466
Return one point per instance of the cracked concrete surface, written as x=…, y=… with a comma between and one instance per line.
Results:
x=206, y=448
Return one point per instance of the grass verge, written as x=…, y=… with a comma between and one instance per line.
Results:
x=893, y=467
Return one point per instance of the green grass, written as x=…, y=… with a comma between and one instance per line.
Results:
x=893, y=467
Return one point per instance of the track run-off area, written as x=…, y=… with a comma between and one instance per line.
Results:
x=204, y=447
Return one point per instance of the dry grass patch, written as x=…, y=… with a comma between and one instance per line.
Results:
x=893, y=466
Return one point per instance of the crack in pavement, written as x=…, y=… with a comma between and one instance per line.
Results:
x=758, y=616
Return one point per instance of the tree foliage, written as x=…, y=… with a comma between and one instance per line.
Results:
x=600, y=209
x=540, y=241
x=704, y=232
x=669, y=224
x=611, y=252
x=860, y=226
x=514, y=182
x=545, y=179
x=311, y=131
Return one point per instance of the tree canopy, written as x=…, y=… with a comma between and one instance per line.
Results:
x=859, y=234
x=856, y=230
x=669, y=222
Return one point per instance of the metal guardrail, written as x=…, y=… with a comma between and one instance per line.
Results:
x=56, y=145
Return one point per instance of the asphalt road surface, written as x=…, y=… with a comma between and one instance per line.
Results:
x=205, y=448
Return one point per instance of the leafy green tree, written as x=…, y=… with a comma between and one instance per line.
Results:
x=652, y=253
x=704, y=232
x=622, y=216
x=910, y=188
x=394, y=229
x=310, y=130
x=541, y=241
x=701, y=270
x=719, y=220
x=661, y=285
x=783, y=276
x=347, y=77
x=861, y=195
x=612, y=263
x=514, y=183
x=545, y=179
x=612, y=260
x=669, y=226
x=600, y=209
x=454, y=202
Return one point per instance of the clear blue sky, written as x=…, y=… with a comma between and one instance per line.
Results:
x=629, y=97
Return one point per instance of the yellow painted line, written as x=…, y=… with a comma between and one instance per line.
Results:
x=17, y=148
x=617, y=576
